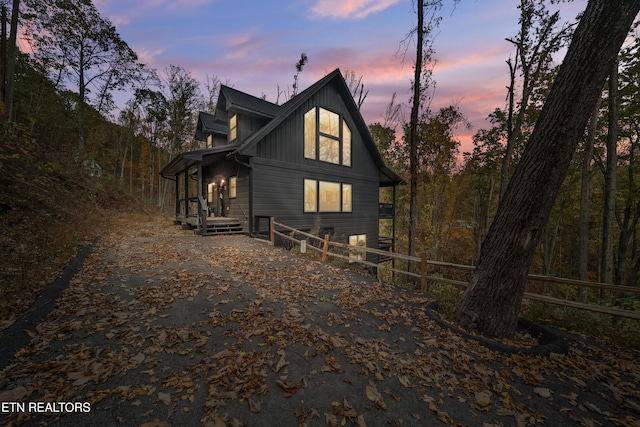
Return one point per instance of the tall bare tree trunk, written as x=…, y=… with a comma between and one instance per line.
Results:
x=491, y=303
x=3, y=55
x=413, y=131
x=627, y=224
x=583, y=237
x=611, y=170
x=11, y=61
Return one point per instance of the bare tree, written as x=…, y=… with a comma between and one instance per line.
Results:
x=610, y=175
x=11, y=62
x=70, y=38
x=422, y=81
x=583, y=237
x=356, y=87
x=536, y=42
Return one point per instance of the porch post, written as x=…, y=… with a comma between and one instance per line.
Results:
x=186, y=193
x=202, y=213
x=393, y=234
x=176, y=189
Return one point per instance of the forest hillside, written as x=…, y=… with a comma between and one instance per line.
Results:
x=50, y=205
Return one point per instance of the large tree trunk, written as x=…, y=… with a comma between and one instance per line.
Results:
x=492, y=301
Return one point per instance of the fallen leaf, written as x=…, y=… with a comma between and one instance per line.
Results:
x=137, y=359
x=404, y=380
x=164, y=398
x=542, y=392
x=282, y=362
x=254, y=406
x=483, y=398
x=374, y=395
x=331, y=420
x=156, y=423
x=17, y=394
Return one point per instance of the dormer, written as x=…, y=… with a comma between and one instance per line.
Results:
x=212, y=133
x=242, y=114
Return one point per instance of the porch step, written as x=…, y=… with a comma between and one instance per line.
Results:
x=220, y=226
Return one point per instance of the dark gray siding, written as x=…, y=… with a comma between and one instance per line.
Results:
x=278, y=191
x=279, y=169
x=247, y=125
x=219, y=140
x=286, y=142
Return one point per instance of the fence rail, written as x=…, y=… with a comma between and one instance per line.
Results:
x=426, y=266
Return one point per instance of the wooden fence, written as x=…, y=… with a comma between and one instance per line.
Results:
x=426, y=269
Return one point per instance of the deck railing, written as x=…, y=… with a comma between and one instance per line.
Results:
x=425, y=269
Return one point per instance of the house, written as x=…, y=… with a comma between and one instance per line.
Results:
x=309, y=163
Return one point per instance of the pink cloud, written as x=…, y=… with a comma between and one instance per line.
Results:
x=239, y=45
x=350, y=9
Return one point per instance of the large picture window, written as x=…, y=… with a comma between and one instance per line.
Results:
x=326, y=196
x=329, y=196
x=327, y=137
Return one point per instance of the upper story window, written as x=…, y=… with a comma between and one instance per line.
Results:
x=327, y=137
x=209, y=141
x=233, y=128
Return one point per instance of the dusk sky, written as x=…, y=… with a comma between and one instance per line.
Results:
x=254, y=45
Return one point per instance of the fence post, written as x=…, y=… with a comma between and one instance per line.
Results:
x=424, y=271
x=272, y=236
x=325, y=248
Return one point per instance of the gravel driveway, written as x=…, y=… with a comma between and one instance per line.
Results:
x=161, y=327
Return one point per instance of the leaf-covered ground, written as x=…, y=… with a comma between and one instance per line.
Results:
x=165, y=328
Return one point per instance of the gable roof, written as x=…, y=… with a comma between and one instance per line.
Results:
x=207, y=125
x=387, y=176
x=234, y=99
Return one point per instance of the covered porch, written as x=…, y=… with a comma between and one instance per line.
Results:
x=205, y=191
